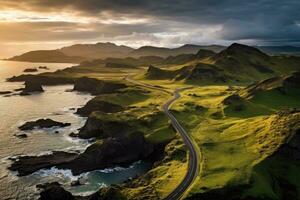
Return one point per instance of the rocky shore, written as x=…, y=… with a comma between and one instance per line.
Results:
x=120, y=130
x=110, y=152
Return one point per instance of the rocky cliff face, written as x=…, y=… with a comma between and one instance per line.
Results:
x=111, y=152
x=291, y=148
x=292, y=83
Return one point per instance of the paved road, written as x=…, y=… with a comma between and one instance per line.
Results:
x=193, y=164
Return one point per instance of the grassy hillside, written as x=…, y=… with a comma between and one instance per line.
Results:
x=234, y=142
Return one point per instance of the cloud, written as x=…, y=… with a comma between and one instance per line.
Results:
x=156, y=22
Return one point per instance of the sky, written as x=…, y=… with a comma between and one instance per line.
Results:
x=49, y=24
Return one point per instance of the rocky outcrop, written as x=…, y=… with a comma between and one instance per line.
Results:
x=292, y=82
x=42, y=79
x=5, y=92
x=26, y=165
x=98, y=105
x=30, y=70
x=96, y=87
x=43, y=67
x=110, y=152
x=22, y=135
x=54, y=191
x=32, y=86
x=42, y=123
x=291, y=149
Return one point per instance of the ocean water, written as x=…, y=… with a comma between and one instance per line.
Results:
x=55, y=103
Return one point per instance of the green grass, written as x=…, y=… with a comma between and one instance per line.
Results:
x=236, y=141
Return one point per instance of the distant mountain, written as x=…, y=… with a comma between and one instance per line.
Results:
x=47, y=56
x=166, y=52
x=275, y=50
x=80, y=52
x=238, y=63
x=97, y=51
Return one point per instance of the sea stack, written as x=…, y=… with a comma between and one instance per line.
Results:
x=32, y=86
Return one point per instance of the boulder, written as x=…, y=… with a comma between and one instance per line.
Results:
x=42, y=123
x=23, y=135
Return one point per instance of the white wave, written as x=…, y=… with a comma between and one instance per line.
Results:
x=63, y=173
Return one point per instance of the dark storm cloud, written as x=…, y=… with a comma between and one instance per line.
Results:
x=258, y=21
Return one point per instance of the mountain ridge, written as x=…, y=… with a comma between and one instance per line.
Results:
x=105, y=50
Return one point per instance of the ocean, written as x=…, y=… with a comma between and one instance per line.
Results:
x=57, y=103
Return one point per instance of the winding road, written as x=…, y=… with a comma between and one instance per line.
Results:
x=193, y=164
